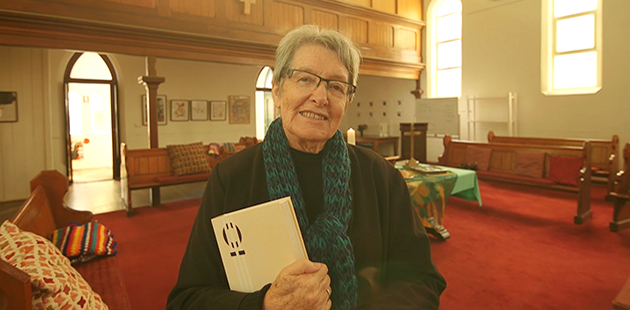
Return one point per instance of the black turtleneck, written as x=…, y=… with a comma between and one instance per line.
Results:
x=308, y=168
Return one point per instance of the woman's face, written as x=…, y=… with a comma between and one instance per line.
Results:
x=310, y=118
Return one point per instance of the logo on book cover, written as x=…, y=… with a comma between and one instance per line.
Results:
x=233, y=238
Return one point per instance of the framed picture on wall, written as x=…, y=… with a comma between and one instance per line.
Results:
x=199, y=110
x=218, y=110
x=161, y=110
x=239, y=109
x=179, y=110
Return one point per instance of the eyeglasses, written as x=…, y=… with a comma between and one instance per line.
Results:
x=308, y=82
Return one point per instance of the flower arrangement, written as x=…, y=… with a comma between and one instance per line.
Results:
x=361, y=128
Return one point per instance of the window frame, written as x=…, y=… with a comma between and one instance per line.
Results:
x=432, y=48
x=548, y=50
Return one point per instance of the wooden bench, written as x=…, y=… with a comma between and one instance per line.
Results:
x=502, y=166
x=42, y=213
x=604, y=159
x=151, y=168
x=621, y=195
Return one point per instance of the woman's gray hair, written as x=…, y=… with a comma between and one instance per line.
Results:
x=347, y=51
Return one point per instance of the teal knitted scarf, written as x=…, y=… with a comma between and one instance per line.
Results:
x=326, y=238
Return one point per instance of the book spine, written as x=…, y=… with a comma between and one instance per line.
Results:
x=292, y=224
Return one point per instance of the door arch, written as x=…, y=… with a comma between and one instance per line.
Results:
x=90, y=80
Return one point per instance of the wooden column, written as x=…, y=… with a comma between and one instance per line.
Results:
x=418, y=91
x=151, y=83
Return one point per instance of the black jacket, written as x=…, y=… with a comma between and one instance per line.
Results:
x=392, y=250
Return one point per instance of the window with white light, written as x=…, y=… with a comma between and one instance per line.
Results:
x=444, y=55
x=571, y=47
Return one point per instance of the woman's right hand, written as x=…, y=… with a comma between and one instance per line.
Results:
x=301, y=285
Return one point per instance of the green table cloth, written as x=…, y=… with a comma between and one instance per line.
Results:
x=430, y=192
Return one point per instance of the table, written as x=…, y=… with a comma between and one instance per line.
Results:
x=376, y=140
x=430, y=192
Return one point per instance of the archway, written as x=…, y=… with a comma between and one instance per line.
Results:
x=90, y=87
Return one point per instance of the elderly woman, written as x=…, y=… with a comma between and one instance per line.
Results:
x=353, y=207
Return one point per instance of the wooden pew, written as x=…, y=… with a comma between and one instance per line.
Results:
x=42, y=213
x=502, y=166
x=604, y=159
x=151, y=168
x=621, y=195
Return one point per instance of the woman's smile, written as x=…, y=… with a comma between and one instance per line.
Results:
x=312, y=115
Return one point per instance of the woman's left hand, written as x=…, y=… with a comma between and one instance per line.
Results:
x=301, y=285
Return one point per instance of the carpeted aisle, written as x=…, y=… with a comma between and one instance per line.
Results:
x=519, y=251
x=150, y=248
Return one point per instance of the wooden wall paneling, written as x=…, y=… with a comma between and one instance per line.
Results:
x=51, y=32
x=86, y=10
x=381, y=34
x=357, y=29
x=285, y=16
x=364, y=3
x=407, y=39
x=387, y=6
x=184, y=29
x=325, y=19
x=144, y=3
x=194, y=7
x=235, y=11
x=411, y=9
x=385, y=68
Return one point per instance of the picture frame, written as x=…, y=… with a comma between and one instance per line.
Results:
x=218, y=110
x=162, y=110
x=8, y=107
x=180, y=110
x=199, y=110
x=239, y=109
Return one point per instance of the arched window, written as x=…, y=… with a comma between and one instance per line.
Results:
x=444, y=51
x=265, y=109
x=571, y=47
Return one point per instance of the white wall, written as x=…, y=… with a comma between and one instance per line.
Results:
x=378, y=90
x=37, y=141
x=22, y=151
x=501, y=53
x=188, y=80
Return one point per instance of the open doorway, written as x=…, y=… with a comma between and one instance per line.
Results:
x=92, y=122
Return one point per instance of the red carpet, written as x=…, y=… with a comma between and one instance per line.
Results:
x=150, y=248
x=520, y=250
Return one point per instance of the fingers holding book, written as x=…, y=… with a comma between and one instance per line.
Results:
x=301, y=285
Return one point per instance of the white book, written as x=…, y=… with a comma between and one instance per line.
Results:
x=257, y=242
